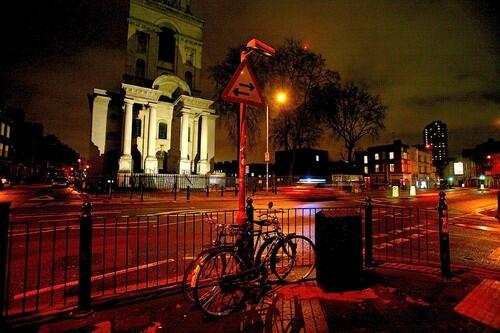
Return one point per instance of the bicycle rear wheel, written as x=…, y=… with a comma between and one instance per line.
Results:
x=187, y=289
x=217, y=290
x=293, y=259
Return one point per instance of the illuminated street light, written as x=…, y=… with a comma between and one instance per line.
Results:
x=281, y=97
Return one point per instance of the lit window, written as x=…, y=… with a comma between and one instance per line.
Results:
x=391, y=167
x=377, y=168
x=317, y=158
x=6, y=151
x=366, y=169
x=405, y=155
x=376, y=156
x=7, y=131
x=2, y=128
x=365, y=159
x=391, y=155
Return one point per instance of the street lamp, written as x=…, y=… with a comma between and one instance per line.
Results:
x=280, y=98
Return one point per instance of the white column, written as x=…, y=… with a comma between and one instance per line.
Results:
x=125, y=163
x=204, y=164
x=151, y=161
x=185, y=164
x=194, y=144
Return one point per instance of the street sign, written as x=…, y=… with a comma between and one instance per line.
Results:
x=266, y=157
x=243, y=87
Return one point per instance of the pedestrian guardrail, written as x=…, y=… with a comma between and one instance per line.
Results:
x=60, y=264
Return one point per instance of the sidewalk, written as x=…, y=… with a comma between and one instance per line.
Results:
x=393, y=298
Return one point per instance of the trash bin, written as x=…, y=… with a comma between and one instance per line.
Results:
x=339, y=250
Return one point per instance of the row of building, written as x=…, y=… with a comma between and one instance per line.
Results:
x=26, y=154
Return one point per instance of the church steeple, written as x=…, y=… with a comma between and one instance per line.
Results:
x=164, y=37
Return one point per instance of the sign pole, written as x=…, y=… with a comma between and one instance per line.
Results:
x=243, y=88
x=241, y=217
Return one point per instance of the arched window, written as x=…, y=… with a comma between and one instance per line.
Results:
x=162, y=131
x=188, y=76
x=140, y=68
x=166, y=51
x=142, y=42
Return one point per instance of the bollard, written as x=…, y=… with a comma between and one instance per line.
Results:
x=175, y=190
x=368, y=232
x=246, y=241
x=84, y=281
x=444, y=236
x=142, y=189
x=110, y=184
x=498, y=205
x=131, y=186
x=188, y=192
x=4, y=236
x=222, y=191
x=208, y=191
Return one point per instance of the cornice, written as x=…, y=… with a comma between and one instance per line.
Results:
x=194, y=102
x=136, y=92
x=144, y=25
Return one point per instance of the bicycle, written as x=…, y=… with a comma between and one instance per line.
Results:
x=222, y=231
x=223, y=281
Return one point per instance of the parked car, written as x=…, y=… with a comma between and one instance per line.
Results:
x=5, y=183
x=311, y=190
x=60, y=182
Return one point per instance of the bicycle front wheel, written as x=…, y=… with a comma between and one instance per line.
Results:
x=217, y=291
x=293, y=259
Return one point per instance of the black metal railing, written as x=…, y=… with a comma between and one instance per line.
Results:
x=72, y=263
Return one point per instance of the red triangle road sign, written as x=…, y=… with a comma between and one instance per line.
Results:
x=243, y=87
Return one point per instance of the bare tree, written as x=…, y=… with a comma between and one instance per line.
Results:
x=299, y=72
x=352, y=113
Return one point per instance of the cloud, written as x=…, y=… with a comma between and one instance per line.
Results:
x=473, y=97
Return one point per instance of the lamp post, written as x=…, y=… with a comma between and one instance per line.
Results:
x=266, y=155
x=280, y=98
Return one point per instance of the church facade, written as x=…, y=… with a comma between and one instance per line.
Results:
x=157, y=123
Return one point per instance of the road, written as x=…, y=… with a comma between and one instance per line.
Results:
x=137, y=243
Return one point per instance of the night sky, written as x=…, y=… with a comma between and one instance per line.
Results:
x=429, y=60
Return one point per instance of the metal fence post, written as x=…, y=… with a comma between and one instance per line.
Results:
x=235, y=190
x=85, y=271
x=188, y=192
x=444, y=236
x=222, y=191
x=208, y=191
x=368, y=232
x=4, y=237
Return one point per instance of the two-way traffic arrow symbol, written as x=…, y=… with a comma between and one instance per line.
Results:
x=250, y=87
x=243, y=87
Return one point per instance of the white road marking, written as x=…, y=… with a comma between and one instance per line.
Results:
x=93, y=279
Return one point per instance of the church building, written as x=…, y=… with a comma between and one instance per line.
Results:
x=157, y=123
